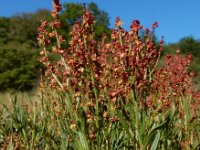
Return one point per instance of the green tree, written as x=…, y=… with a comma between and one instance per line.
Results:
x=186, y=45
x=4, y=29
x=18, y=67
x=19, y=53
x=190, y=44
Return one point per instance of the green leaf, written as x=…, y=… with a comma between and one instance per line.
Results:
x=155, y=142
x=157, y=128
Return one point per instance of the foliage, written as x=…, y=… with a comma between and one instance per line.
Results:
x=186, y=45
x=189, y=44
x=19, y=67
x=106, y=94
x=19, y=52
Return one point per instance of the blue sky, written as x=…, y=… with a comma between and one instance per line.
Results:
x=177, y=18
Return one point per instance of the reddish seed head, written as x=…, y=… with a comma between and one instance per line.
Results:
x=88, y=114
x=118, y=22
x=178, y=51
x=56, y=2
x=57, y=6
x=162, y=41
x=155, y=25
x=114, y=119
x=135, y=26
x=147, y=30
x=192, y=74
x=54, y=14
x=52, y=34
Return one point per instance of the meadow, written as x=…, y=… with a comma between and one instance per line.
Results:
x=107, y=94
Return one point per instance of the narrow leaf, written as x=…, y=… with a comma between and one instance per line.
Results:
x=155, y=142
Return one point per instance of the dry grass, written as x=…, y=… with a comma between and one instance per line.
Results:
x=27, y=97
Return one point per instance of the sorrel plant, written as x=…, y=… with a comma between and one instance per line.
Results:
x=107, y=94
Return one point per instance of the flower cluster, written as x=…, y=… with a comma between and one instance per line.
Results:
x=171, y=81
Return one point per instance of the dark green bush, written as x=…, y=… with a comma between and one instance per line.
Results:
x=18, y=67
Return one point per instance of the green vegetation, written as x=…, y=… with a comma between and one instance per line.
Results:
x=106, y=94
x=19, y=67
x=96, y=93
